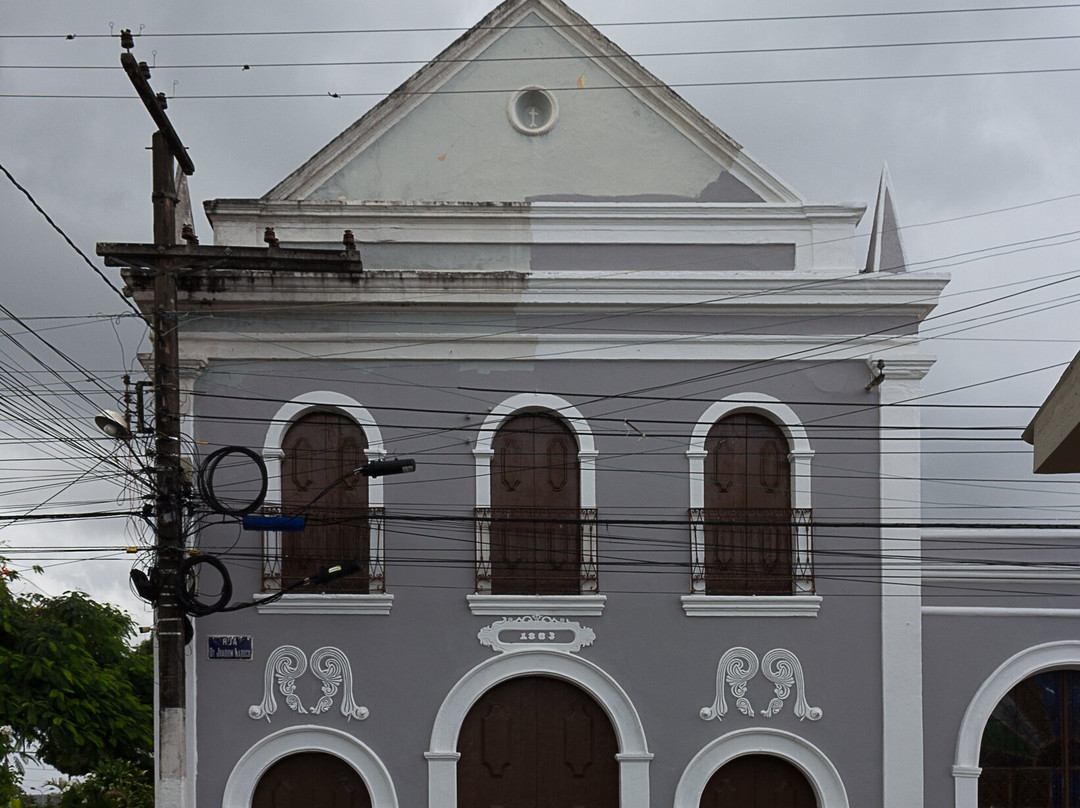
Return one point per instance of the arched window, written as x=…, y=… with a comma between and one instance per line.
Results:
x=535, y=508
x=751, y=526
x=1030, y=751
x=748, y=527
x=291, y=486
x=758, y=781
x=319, y=452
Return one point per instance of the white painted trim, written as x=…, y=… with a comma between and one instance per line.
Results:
x=534, y=222
x=191, y=706
x=809, y=759
x=979, y=571
x=799, y=454
x=503, y=605
x=538, y=401
x=245, y=775
x=751, y=605
x=779, y=413
x=998, y=611
x=325, y=401
x=901, y=651
x=273, y=453
x=322, y=603
x=969, y=533
x=484, y=451
x=633, y=757
x=1017, y=668
x=485, y=347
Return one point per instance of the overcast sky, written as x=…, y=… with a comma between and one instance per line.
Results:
x=976, y=162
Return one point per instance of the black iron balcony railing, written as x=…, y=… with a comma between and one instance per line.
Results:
x=536, y=551
x=752, y=551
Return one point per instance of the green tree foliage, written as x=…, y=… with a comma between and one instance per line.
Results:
x=115, y=784
x=73, y=692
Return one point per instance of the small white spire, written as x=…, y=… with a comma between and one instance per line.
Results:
x=886, y=252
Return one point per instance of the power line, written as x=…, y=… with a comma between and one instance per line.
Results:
x=72, y=244
x=401, y=91
x=615, y=24
x=563, y=57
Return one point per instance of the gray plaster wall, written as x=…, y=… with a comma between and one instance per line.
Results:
x=405, y=663
x=959, y=654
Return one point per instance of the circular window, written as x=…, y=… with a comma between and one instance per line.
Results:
x=533, y=110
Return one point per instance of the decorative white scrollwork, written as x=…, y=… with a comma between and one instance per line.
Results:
x=332, y=667
x=781, y=667
x=737, y=667
x=287, y=664
x=534, y=632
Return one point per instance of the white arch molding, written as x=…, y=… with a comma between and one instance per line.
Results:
x=272, y=454
x=589, y=602
x=807, y=758
x=633, y=757
x=240, y=787
x=803, y=602
x=1021, y=666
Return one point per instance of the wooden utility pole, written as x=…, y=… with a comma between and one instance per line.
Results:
x=170, y=746
x=169, y=506
x=155, y=266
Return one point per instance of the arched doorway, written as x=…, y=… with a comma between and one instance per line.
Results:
x=311, y=780
x=537, y=741
x=758, y=781
x=1030, y=751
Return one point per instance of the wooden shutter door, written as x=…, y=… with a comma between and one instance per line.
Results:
x=535, y=508
x=311, y=780
x=758, y=781
x=537, y=742
x=319, y=449
x=747, y=508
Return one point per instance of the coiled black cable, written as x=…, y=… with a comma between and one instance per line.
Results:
x=206, y=481
x=188, y=597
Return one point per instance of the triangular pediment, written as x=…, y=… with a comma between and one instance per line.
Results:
x=533, y=103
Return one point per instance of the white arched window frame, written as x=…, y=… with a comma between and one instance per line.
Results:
x=802, y=602
x=807, y=758
x=633, y=756
x=589, y=602
x=377, y=602
x=1021, y=666
x=245, y=776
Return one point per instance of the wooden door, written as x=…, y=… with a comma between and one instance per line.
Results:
x=537, y=742
x=311, y=780
x=758, y=781
x=320, y=449
x=535, y=508
x=747, y=508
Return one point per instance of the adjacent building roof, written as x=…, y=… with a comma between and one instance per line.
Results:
x=1055, y=429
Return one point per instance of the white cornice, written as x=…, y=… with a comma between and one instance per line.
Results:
x=899, y=295
x=455, y=346
x=516, y=222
